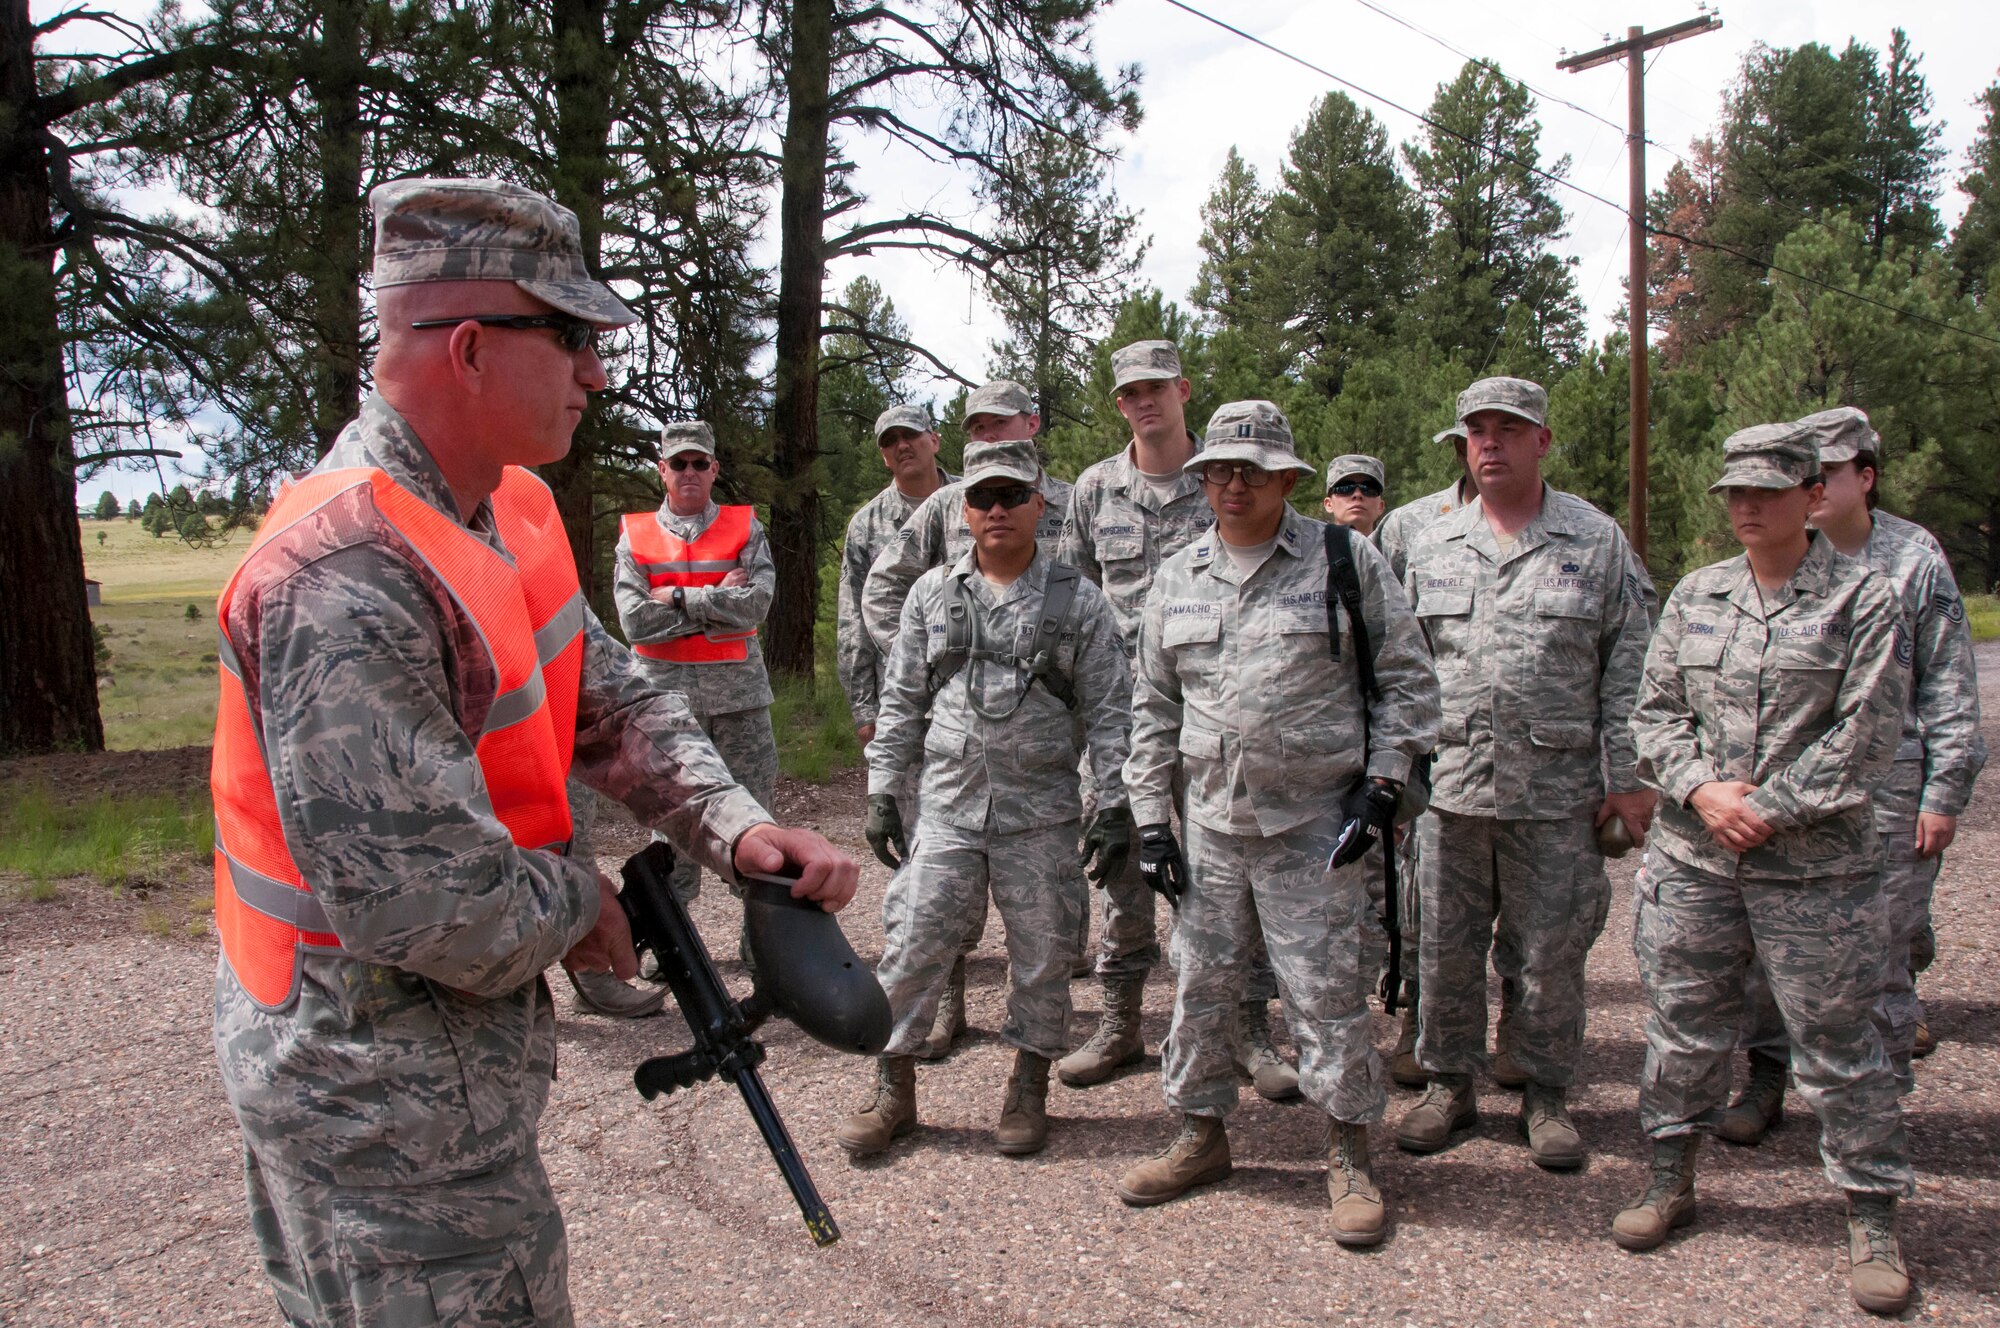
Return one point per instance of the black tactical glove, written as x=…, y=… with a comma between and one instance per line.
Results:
x=885, y=830
x=1368, y=810
x=1109, y=840
x=1161, y=863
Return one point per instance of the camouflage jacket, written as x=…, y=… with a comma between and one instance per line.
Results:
x=423, y=1049
x=1538, y=659
x=1019, y=772
x=711, y=689
x=1118, y=533
x=936, y=536
x=869, y=531
x=1941, y=726
x=1399, y=530
x=1238, y=690
x=1800, y=693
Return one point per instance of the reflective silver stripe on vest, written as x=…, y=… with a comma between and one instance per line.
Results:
x=556, y=634
x=709, y=565
x=510, y=708
x=275, y=899
x=226, y=652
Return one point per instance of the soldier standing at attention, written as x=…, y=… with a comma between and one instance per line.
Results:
x=1006, y=663
x=1537, y=623
x=1354, y=488
x=694, y=580
x=1128, y=514
x=1394, y=536
x=937, y=534
x=409, y=671
x=1773, y=703
x=1288, y=769
x=1941, y=754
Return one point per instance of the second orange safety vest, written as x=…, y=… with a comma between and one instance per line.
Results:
x=668, y=560
x=530, y=613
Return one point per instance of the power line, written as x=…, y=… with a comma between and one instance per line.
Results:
x=1594, y=197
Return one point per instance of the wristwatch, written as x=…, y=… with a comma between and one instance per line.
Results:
x=680, y=598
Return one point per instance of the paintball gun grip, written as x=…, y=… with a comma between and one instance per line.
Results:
x=721, y=1026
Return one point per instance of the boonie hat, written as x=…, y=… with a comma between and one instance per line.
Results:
x=1143, y=361
x=487, y=230
x=1842, y=433
x=1253, y=431
x=1008, y=459
x=687, y=436
x=1516, y=396
x=1002, y=396
x=1354, y=463
x=1455, y=431
x=1768, y=456
x=902, y=417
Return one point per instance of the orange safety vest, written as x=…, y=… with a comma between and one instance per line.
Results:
x=668, y=560
x=529, y=612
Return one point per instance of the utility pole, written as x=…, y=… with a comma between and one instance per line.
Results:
x=1633, y=51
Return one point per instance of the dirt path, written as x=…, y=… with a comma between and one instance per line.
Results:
x=119, y=1168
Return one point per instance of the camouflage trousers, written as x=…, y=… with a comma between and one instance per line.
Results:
x=1535, y=895
x=743, y=739
x=1907, y=883
x=939, y=895
x=1278, y=887
x=1821, y=944
x=484, y=1251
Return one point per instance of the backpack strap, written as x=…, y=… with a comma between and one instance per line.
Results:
x=1343, y=585
x=1058, y=599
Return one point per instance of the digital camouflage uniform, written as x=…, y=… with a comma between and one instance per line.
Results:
x=1802, y=693
x=1238, y=694
x=998, y=796
x=730, y=699
x=390, y=1113
x=1538, y=657
x=1118, y=535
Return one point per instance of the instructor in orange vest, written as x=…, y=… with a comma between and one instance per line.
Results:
x=408, y=677
x=694, y=581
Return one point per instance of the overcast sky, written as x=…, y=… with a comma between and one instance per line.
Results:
x=1205, y=90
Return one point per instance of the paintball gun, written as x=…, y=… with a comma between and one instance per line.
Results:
x=803, y=968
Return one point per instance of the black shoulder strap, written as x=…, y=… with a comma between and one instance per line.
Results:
x=1058, y=602
x=1343, y=584
x=1058, y=598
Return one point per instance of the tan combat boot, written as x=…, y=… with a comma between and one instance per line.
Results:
x=1403, y=1067
x=1199, y=1155
x=1503, y=1068
x=1552, y=1136
x=1926, y=1041
x=890, y=1115
x=1876, y=1275
x=1357, y=1204
x=1270, y=1073
x=1115, y=1044
x=1447, y=1105
x=1669, y=1198
x=949, y=1026
x=1760, y=1107
x=1024, y=1114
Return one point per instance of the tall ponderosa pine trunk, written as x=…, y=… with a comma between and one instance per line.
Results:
x=48, y=674
x=335, y=79
x=788, y=642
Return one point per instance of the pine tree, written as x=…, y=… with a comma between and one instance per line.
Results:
x=1232, y=221
x=1975, y=243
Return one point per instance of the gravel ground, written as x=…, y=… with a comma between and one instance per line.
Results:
x=119, y=1166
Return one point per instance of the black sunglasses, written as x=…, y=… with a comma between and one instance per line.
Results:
x=1348, y=488
x=694, y=463
x=1007, y=495
x=572, y=333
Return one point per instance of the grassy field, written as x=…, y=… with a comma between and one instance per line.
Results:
x=159, y=682
x=1982, y=615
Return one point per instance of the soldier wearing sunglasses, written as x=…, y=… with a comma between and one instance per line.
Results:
x=1354, y=487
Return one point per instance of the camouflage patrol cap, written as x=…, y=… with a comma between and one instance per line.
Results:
x=1143, y=361
x=1516, y=396
x=1768, y=456
x=1008, y=459
x=1002, y=396
x=914, y=418
x=1354, y=463
x=1253, y=431
x=686, y=436
x=487, y=230
x=1842, y=433
x=1455, y=431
